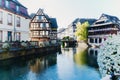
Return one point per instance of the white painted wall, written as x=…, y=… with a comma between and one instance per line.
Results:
x=23, y=29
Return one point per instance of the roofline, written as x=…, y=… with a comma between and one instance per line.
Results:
x=19, y=3
x=5, y=9
x=94, y=25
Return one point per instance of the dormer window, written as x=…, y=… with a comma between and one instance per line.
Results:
x=7, y=4
x=23, y=10
x=2, y=3
x=13, y=6
x=17, y=8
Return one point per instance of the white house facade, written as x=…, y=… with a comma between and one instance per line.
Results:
x=14, y=21
x=103, y=28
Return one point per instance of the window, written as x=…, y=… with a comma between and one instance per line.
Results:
x=23, y=10
x=36, y=33
x=17, y=36
x=47, y=24
x=2, y=3
x=17, y=7
x=7, y=4
x=9, y=19
x=41, y=32
x=12, y=6
x=41, y=25
x=9, y=36
x=0, y=36
x=1, y=17
x=36, y=25
x=47, y=33
x=18, y=21
x=32, y=25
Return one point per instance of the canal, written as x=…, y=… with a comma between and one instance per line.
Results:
x=67, y=64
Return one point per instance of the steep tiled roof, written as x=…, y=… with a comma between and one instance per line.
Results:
x=41, y=17
x=17, y=2
x=82, y=20
x=53, y=23
x=111, y=18
x=107, y=19
x=14, y=6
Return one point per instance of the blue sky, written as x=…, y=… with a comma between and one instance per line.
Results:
x=67, y=10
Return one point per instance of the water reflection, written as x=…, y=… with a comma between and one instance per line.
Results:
x=86, y=56
x=92, y=57
x=76, y=65
x=71, y=64
x=39, y=64
x=80, y=57
x=19, y=69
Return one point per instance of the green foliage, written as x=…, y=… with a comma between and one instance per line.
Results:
x=66, y=38
x=82, y=32
x=24, y=44
x=6, y=46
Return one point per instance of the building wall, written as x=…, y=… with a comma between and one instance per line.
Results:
x=23, y=29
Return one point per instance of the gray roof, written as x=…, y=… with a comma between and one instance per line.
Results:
x=17, y=2
x=105, y=18
x=14, y=10
x=39, y=14
x=82, y=20
x=53, y=23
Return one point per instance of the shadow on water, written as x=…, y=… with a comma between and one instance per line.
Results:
x=39, y=64
x=13, y=69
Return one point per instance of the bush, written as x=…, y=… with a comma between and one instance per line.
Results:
x=53, y=42
x=41, y=44
x=44, y=44
x=109, y=56
x=6, y=46
x=24, y=45
x=47, y=43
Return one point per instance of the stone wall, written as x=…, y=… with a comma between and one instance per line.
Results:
x=24, y=52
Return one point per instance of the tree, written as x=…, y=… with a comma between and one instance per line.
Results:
x=82, y=31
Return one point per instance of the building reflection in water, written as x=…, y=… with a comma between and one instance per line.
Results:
x=80, y=57
x=92, y=57
x=86, y=56
x=65, y=64
x=53, y=67
x=70, y=57
x=39, y=64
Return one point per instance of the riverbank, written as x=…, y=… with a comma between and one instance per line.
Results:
x=28, y=51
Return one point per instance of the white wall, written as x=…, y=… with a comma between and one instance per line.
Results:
x=23, y=29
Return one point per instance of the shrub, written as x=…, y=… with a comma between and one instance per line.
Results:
x=109, y=56
x=41, y=44
x=24, y=45
x=6, y=46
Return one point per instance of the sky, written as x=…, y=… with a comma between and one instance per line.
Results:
x=66, y=11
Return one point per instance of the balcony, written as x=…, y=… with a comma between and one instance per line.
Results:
x=106, y=29
x=40, y=36
x=39, y=28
